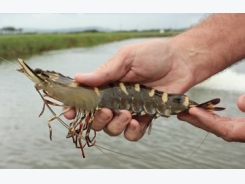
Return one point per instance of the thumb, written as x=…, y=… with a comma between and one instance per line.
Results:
x=111, y=71
x=241, y=103
x=203, y=116
x=199, y=118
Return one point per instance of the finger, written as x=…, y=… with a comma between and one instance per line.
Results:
x=195, y=121
x=241, y=103
x=198, y=117
x=70, y=114
x=213, y=123
x=111, y=71
x=102, y=118
x=190, y=119
x=206, y=119
x=136, y=128
x=118, y=123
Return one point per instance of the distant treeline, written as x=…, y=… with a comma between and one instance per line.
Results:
x=10, y=30
x=19, y=45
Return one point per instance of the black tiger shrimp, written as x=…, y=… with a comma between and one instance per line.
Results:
x=87, y=100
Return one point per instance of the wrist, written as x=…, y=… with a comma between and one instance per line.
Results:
x=212, y=46
x=196, y=56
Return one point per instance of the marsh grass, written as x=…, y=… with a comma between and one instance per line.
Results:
x=12, y=46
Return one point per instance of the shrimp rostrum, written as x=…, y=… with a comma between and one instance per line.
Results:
x=59, y=90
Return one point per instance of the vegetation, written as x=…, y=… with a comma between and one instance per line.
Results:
x=18, y=45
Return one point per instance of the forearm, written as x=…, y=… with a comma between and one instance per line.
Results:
x=212, y=45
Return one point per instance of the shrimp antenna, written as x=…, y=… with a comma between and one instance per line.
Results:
x=9, y=62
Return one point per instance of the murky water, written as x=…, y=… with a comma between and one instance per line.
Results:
x=24, y=138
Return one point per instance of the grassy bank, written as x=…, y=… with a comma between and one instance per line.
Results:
x=13, y=46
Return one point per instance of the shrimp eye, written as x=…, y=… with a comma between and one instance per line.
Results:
x=38, y=71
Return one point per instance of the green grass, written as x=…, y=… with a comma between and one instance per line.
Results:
x=12, y=46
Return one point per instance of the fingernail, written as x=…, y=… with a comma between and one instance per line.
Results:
x=103, y=116
x=131, y=127
x=122, y=118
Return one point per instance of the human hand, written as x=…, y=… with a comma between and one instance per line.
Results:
x=153, y=63
x=172, y=66
x=228, y=128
